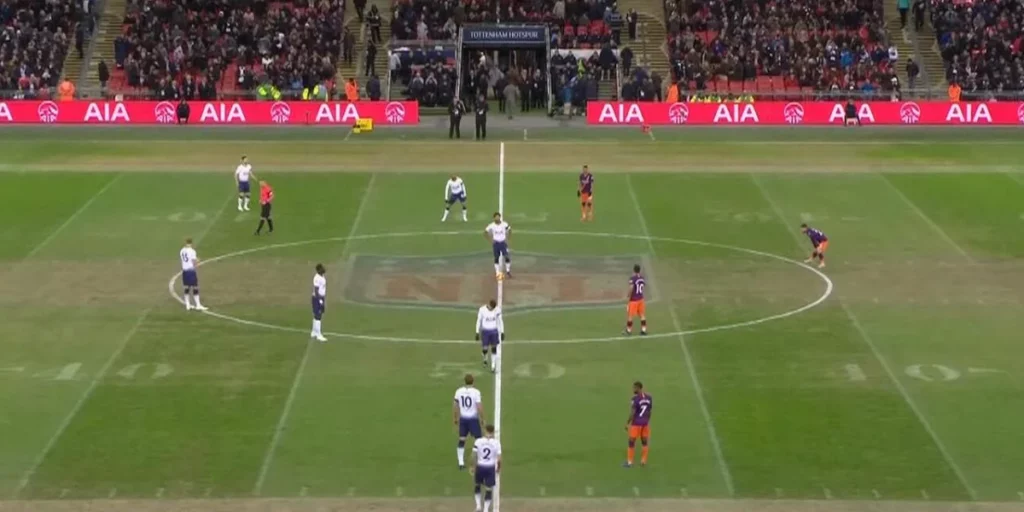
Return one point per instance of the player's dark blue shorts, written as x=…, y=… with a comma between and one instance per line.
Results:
x=490, y=338
x=484, y=476
x=500, y=249
x=470, y=427
x=461, y=197
x=318, y=307
x=243, y=187
x=189, y=278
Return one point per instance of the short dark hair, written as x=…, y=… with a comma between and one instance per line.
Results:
x=636, y=268
x=468, y=379
x=638, y=385
x=489, y=429
x=493, y=303
x=188, y=240
x=804, y=225
x=320, y=268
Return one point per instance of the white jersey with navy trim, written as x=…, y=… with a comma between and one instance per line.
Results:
x=189, y=259
x=489, y=320
x=498, y=231
x=454, y=189
x=242, y=173
x=468, y=400
x=319, y=286
x=487, y=451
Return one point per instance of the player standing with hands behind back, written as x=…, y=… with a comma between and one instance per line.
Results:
x=243, y=174
x=585, y=192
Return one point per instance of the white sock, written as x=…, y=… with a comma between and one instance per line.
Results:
x=464, y=218
x=247, y=202
x=487, y=506
x=239, y=202
x=316, y=327
x=445, y=216
x=497, y=268
x=508, y=268
x=478, y=500
x=198, y=304
x=187, y=304
x=494, y=361
x=461, y=453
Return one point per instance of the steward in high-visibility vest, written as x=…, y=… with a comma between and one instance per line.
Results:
x=263, y=92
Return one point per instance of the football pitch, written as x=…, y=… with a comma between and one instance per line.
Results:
x=894, y=377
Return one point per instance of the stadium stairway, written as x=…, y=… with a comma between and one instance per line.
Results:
x=72, y=69
x=901, y=38
x=933, y=68
x=649, y=47
x=362, y=32
x=109, y=28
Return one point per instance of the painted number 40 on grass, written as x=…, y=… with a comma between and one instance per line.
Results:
x=922, y=372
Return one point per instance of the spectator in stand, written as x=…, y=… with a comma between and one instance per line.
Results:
x=373, y=89
x=913, y=70
x=348, y=45
x=509, y=96
x=360, y=6
x=104, y=75
x=374, y=20
x=631, y=20
x=371, y=59
x=903, y=6
x=981, y=43
x=919, y=10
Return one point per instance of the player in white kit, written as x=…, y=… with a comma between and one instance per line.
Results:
x=497, y=232
x=487, y=453
x=454, y=190
x=490, y=331
x=243, y=175
x=467, y=414
x=319, y=302
x=189, y=277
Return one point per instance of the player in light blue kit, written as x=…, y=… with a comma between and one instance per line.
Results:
x=497, y=232
x=454, y=191
x=488, y=464
x=468, y=415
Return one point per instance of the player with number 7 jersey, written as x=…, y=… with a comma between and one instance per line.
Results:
x=639, y=423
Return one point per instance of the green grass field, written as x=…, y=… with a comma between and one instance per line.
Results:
x=895, y=374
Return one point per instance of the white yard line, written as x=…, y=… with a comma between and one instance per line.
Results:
x=950, y=461
x=60, y=229
x=282, y=421
x=920, y=213
x=691, y=369
x=52, y=442
x=501, y=360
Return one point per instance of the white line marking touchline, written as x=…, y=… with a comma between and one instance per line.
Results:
x=60, y=229
x=396, y=339
x=501, y=349
x=920, y=213
x=716, y=445
x=268, y=457
x=100, y=375
x=880, y=358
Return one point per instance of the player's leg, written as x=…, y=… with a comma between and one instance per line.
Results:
x=447, y=209
x=645, y=436
x=583, y=208
x=631, y=446
x=186, y=290
x=460, y=450
x=630, y=313
x=508, y=260
x=496, y=247
x=642, y=312
x=494, y=356
x=465, y=210
x=478, y=497
x=821, y=254
x=488, y=497
x=245, y=206
x=814, y=256
x=241, y=199
x=195, y=298
x=270, y=220
x=590, y=207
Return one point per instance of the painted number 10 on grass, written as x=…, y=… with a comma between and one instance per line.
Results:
x=922, y=372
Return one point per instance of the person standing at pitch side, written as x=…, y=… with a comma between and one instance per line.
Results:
x=481, y=117
x=455, y=111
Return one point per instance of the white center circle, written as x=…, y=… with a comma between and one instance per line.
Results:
x=398, y=339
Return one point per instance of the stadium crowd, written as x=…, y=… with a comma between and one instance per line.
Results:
x=981, y=43
x=169, y=45
x=34, y=39
x=819, y=44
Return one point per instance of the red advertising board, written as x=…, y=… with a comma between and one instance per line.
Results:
x=209, y=112
x=807, y=112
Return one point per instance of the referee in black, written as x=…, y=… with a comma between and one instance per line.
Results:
x=455, y=111
x=481, y=117
x=266, y=197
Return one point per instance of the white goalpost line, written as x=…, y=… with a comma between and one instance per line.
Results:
x=500, y=292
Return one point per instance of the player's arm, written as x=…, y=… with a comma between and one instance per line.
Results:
x=488, y=236
x=629, y=291
x=479, y=322
x=629, y=417
x=579, y=188
x=236, y=177
x=497, y=467
x=480, y=412
x=455, y=410
x=472, y=459
x=447, y=187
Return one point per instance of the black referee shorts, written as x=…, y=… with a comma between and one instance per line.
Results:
x=265, y=210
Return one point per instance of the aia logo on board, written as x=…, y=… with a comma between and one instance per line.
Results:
x=48, y=111
x=465, y=281
x=678, y=113
x=1020, y=113
x=910, y=113
x=394, y=112
x=793, y=113
x=164, y=112
x=280, y=112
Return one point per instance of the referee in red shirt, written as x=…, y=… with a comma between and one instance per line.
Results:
x=266, y=197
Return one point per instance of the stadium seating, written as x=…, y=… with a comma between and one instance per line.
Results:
x=293, y=44
x=790, y=47
x=34, y=39
x=981, y=43
x=428, y=74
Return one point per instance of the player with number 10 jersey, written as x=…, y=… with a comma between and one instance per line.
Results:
x=636, y=306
